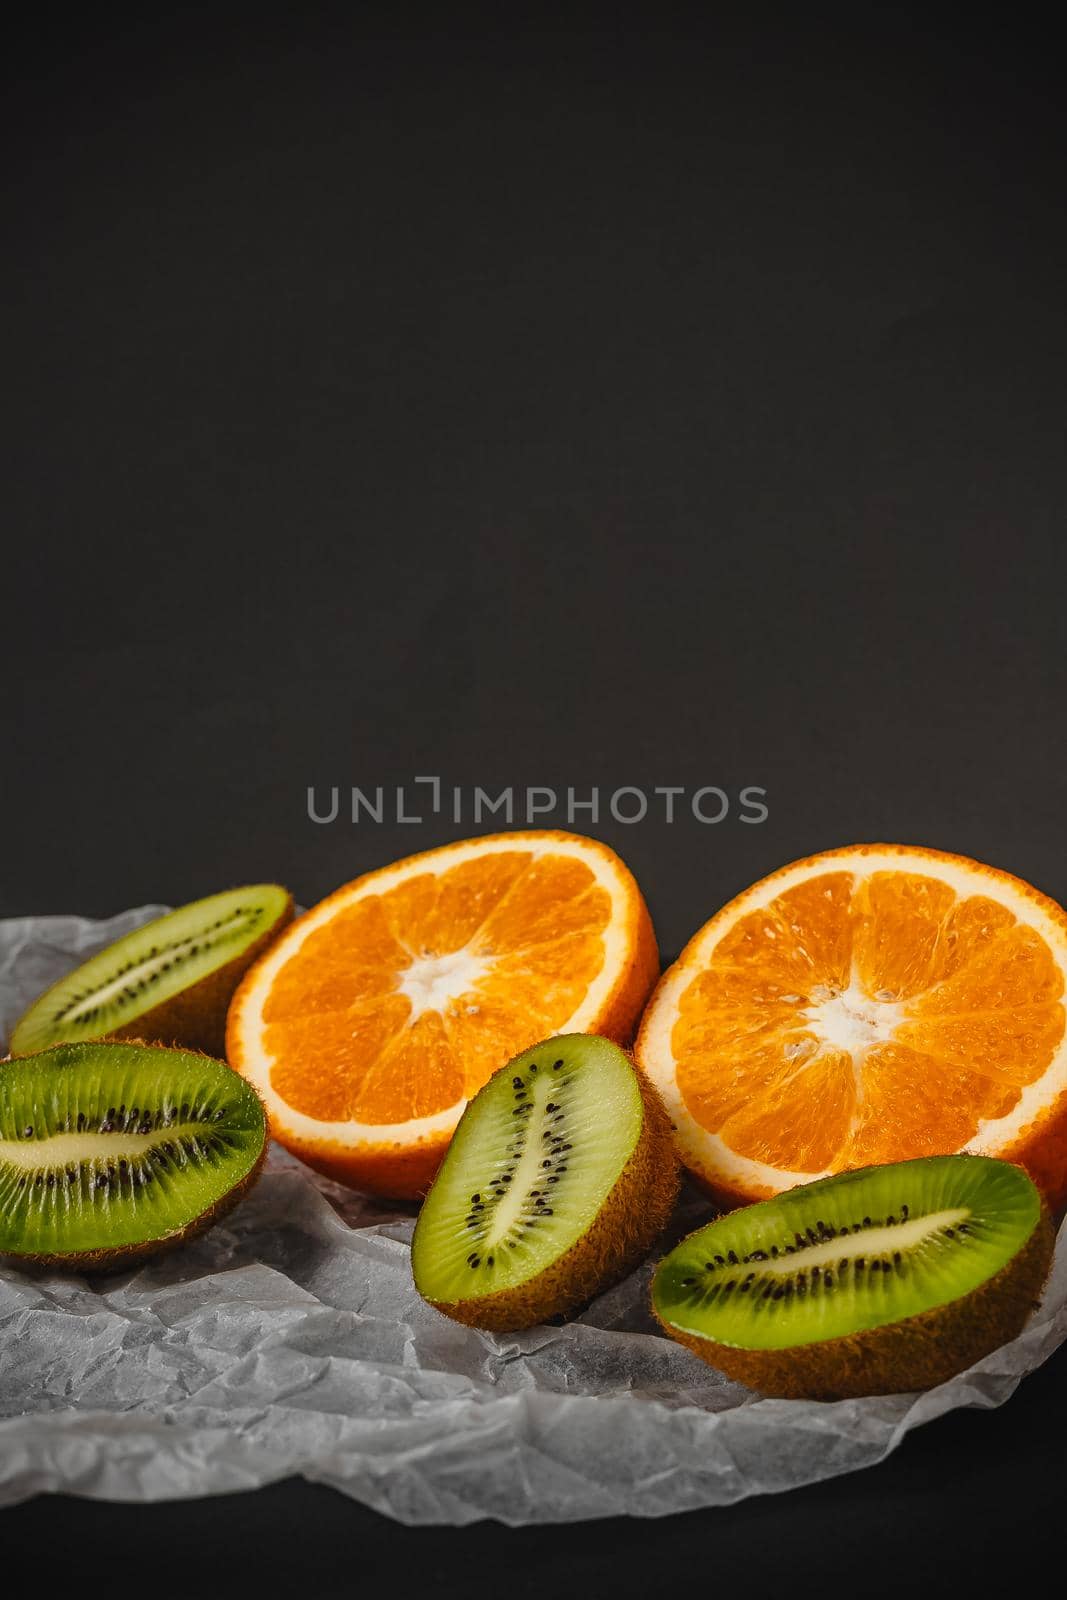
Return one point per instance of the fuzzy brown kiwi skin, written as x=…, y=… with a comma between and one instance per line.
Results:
x=195, y=1018
x=631, y=1219
x=900, y=1357
x=127, y=1255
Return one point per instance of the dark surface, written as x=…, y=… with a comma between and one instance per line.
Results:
x=569, y=405
x=975, y=1499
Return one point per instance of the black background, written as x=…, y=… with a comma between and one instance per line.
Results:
x=675, y=398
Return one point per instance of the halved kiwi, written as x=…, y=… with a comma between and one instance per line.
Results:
x=557, y=1181
x=111, y=1152
x=878, y=1281
x=171, y=980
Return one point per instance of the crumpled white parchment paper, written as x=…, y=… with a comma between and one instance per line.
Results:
x=290, y=1340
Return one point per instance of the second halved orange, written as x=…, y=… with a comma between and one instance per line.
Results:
x=864, y=1006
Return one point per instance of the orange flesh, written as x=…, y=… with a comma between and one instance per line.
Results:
x=964, y=1002
x=347, y=1042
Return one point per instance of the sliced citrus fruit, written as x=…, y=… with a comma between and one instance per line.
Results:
x=380, y=1012
x=863, y=1006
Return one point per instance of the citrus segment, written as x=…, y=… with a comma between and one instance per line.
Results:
x=866, y=1005
x=895, y=918
x=323, y=1058
x=1016, y=1045
x=387, y=1006
x=1017, y=968
x=415, y=1075
x=777, y=1124
x=553, y=896
x=914, y=1104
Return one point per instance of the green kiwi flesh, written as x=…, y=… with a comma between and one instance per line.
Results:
x=879, y=1281
x=558, y=1179
x=171, y=980
x=110, y=1152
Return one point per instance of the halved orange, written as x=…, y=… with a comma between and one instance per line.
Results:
x=863, y=1006
x=373, y=1019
